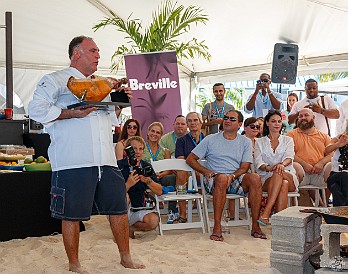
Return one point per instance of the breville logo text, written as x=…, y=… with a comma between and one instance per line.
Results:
x=160, y=84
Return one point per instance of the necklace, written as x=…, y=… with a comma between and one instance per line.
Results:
x=154, y=157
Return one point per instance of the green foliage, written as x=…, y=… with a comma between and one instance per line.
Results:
x=327, y=77
x=168, y=23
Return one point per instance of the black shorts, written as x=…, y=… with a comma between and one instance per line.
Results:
x=76, y=194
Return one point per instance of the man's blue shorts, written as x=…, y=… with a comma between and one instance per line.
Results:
x=78, y=193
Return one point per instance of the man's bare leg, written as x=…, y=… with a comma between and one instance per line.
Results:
x=219, y=200
x=251, y=183
x=71, y=236
x=150, y=222
x=120, y=230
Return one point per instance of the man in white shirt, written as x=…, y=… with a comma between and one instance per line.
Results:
x=85, y=177
x=342, y=122
x=323, y=107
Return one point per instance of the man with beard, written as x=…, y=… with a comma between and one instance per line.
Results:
x=168, y=140
x=312, y=165
x=213, y=112
x=323, y=107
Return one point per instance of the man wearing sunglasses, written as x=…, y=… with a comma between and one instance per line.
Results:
x=263, y=98
x=213, y=112
x=228, y=157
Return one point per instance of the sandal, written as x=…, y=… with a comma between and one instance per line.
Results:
x=180, y=220
x=259, y=235
x=217, y=238
x=262, y=220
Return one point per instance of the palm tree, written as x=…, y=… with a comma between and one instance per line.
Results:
x=169, y=22
x=332, y=76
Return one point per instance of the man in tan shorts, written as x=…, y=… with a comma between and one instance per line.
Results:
x=312, y=165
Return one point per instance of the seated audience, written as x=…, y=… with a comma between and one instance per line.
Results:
x=338, y=179
x=140, y=219
x=228, y=155
x=273, y=158
x=290, y=101
x=311, y=163
x=168, y=140
x=131, y=128
x=184, y=146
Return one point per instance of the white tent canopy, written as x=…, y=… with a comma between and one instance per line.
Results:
x=240, y=35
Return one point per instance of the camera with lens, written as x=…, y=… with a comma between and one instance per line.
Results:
x=259, y=82
x=132, y=159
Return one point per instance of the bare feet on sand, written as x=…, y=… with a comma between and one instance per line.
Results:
x=77, y=269
x=127, y=262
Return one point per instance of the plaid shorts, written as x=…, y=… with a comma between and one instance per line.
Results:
x=234, y=188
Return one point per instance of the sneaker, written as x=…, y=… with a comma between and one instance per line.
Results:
x=171, y=217
x=176, y=213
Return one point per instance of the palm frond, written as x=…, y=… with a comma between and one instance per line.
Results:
x=169, y=22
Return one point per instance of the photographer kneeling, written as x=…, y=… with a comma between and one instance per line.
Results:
x=139, y=176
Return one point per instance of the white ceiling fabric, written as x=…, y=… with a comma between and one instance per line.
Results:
x=240, y=35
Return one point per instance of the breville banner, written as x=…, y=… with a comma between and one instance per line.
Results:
x=154, y=80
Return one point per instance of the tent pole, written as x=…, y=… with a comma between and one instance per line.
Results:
x=9, y=60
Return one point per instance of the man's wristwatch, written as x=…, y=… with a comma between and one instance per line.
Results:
x=271, y=92
x=149, y=181
x=322, y=110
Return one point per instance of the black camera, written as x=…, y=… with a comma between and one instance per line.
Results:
x=132, y=159
x=259, y=82
x=146, y=171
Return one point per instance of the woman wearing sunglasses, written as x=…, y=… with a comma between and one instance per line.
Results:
x=251, y=129
x=273, y=157
x=131, y=128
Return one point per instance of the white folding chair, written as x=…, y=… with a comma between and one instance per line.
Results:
x=236, y=222
x=317, y=190
x=294, y=195
x=180, y=164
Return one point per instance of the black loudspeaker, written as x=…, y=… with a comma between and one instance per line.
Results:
x=284, y=66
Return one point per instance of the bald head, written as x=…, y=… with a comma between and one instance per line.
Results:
x=305, y=119
x=306, y=112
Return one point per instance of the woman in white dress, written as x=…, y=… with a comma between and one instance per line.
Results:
x=273, y=157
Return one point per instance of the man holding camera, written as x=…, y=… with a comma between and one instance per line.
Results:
x=139, y=176
x=263, y=99
x=323, y=107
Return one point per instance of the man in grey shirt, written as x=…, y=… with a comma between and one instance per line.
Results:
x=228, y=156
x=213, y=112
